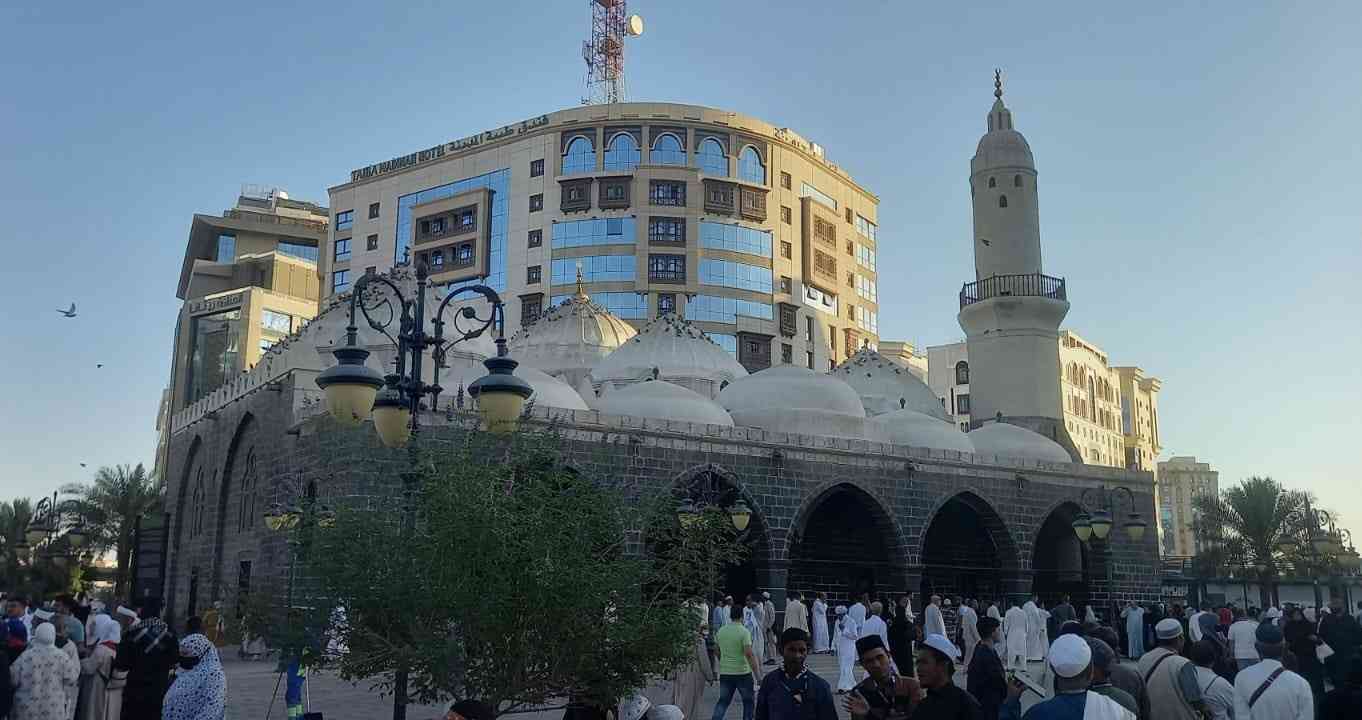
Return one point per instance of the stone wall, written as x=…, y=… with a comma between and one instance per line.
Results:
x=228, y=467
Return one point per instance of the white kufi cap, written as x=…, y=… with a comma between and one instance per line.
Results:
x=938, y=642
x=1070, y=655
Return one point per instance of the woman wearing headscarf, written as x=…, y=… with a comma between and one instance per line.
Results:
x=101, y=694
x=1301, y=640
x=42, y=676
x=200, y=688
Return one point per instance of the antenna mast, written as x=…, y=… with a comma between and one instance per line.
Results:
x=604, y=51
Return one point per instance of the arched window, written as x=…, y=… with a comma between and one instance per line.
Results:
x=622, y=152
x=580, y=156
x=1092, y=400
x=750, y=167
x=1002, y=201
x=993, y=182
x=667, y=151
x=1016, y=181
x=711, y=158
x=962, y=373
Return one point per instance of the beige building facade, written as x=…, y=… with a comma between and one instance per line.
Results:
x=906, y=356
x=1179, y=480
x=1140, y=418
x=744, y=228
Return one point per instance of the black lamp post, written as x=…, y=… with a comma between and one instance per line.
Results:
x=354, y=391
x=45, y=528
x=1097, y=525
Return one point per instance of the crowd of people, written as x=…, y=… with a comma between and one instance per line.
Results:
x=75, y=658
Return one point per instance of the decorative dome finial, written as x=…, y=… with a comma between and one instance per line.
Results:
x=998, y=83
x=581, y=292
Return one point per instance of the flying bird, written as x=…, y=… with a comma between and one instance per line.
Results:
x=99, y=365
x=69, y=312
x=82, y=464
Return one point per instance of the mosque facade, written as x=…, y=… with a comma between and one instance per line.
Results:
x=858, y=479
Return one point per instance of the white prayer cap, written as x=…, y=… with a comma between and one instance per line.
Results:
x=666, y=712
x=1272, y=612
x=938, y=642
x=42, y=614
x=840, y=610
x=1167, y=629
x=634, y=707
x=1070, y=655
x=126, y=611
x=946, y=602
x=766, y=595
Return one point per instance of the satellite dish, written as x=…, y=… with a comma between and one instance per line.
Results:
x=634, y=25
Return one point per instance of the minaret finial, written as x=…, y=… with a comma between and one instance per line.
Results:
x=581, y=291
x=998, y=83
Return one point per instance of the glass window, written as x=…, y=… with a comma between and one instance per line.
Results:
x=962, y=404
x=215, y=352
x=298, y=250
x=750, y=167
x=345, y=219
x=786, y=285
x=622, y=152
x=373, y=210
x=711, y=158
x=667, y=192
x=727, y=273
x=785, y=180
x=1002, y=201
x=499, y=182
x=342, y=249
x=226, y=248
x=786, y=249
x=865, y=256
x=598, y=231
x=787, y=353
x=714, y=308
x=595, y=268
x=536, y=167
x=533, y=274
x=666, y=303
x=536, y=202
x=436, y=258
x=807, y=190
x=867, y=228
x=464, y=254
x=371, y=242
x=725, y=341
x=786, y=215
x=536, y=238
x=735, y=238
x=340, y=280
x=628, y=305
x=276, y=321
x=667, y=268
x=667, y=230
x=580, y=156
x=667, y=151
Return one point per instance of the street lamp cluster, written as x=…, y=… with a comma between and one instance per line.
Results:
x=45, y=529
x=355, y=392
x=1098, y=524
x=689, y=513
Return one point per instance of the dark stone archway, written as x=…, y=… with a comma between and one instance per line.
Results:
x=189, y=479
x=1059, y=562
x=238, y=472
x=709, y=485
x=844, y=543
x=968, y=551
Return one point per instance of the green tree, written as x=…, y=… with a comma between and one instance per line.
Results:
x=109, y=507
x=14, y=518
x=523, y=581
x=1246, y=524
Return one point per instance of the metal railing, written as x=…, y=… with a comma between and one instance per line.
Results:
x=1031, y=285
x=275, y=219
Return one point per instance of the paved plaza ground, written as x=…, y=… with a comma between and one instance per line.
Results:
x=250, y=686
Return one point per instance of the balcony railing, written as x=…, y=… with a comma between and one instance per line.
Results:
x=1032, y=285
x=276, y=219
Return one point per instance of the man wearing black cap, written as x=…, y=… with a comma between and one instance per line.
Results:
x=1268, y=691
x=883, y=695
x=792, y=691
x=987, y=681
x=935, y=669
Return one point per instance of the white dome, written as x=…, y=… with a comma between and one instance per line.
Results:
x=663, y=401
x=1002, y=149
x=549, y=391
x=678, y=351
x=885, y=386
x=570, y=338
x=914, y=429
x=796, y=400
x=1008, y=440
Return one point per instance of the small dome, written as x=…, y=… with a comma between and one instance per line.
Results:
x=796, y=400
x=663, y=401
x=914, y=429
x=886, y=386
x=678, y=351
x=1002, y=149
x=570, y=338
x=1008, y=440
x=549, y=391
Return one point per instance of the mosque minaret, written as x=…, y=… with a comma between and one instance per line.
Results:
x=1012, y=311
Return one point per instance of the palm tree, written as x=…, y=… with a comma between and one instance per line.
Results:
x=109, y=508
x=1250, y=521
x=14, y=518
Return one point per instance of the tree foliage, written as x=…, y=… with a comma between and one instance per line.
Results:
x=109, y=507
x=14, y=518
x=521, y=582
x=1247, y=523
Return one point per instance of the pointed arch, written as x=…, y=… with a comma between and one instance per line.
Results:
x=843, y=541
x=711, y=158
x=750, y=166
x=710, y=483
x=180, y=518
x=1060, y=563
x=621, y=152
x=668, y=149
x=241, y=445
x=966, y=548
x=580, y=156
x=1002, y=201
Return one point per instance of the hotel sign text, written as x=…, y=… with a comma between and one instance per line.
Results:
x=439, y=151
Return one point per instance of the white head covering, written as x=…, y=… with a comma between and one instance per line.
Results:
x=45, y=634
x=201, y=691
x=766, y=595
x=1070, y=655
x=667, y=712
x=840, y=610
x=107, y=629
x=1167, y=629
x=127, y=612
x=634, y=707
x=939, y=642
x=42, y=614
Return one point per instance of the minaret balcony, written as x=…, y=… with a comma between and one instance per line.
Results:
x=1030, y=285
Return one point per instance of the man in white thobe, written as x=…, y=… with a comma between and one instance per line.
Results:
x=993, y=612
x=754, y=621
x=1265, y=690
x=796, y=615
x=1016, y=632
x=934, y=622
x=1194, y=625
x=969, y=630
x=858, y=611
x=1035, y=644
x=1134, y=617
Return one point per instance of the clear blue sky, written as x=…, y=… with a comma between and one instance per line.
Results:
x=1199, y=175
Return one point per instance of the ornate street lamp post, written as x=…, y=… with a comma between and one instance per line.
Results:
x=45, y=529
x=1097, y=525
x=354, y=391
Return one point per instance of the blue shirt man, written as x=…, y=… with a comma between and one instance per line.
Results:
x=793, y=692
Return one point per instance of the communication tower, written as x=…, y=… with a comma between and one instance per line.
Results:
x=611, y=23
